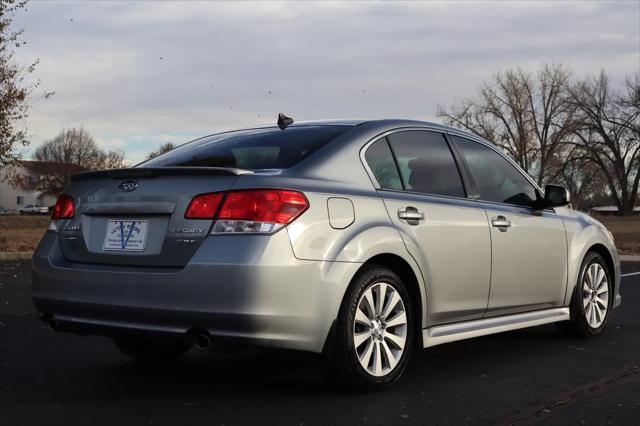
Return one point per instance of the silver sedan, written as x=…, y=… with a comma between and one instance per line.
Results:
x=359, y=240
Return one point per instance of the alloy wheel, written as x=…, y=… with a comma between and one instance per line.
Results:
x=380, y=329
x=595, y=295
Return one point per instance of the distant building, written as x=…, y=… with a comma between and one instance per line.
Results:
x=14, y=197
x=610, y=211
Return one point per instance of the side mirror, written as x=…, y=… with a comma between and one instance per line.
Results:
x=555, y=196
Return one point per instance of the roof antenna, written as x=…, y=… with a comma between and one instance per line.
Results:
x=284, y=121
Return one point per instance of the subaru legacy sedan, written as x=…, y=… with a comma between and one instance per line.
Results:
x=357, y=240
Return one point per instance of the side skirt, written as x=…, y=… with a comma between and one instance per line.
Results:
x=466, y=330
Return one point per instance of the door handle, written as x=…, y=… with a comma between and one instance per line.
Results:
x=411, y=215
x=500, y=222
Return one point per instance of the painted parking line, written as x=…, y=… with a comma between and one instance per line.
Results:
x=630, y=274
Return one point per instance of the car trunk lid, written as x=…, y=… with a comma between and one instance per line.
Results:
x=136, y=217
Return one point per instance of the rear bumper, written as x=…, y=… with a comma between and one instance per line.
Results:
x=255, y=291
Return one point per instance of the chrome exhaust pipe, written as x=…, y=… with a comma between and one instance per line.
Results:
x=202, y=341
x=53, y=325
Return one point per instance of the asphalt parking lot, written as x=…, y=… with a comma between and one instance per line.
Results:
x=524, y=377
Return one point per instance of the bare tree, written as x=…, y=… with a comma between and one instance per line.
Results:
x=165, y=147
x=15, y=90
x=113, y=160
x=608, y=133
x=71, y=151
x=527, y=116
x=584, y=180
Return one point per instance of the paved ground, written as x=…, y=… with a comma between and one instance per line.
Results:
x=524, y=377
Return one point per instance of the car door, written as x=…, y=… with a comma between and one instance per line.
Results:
x=446, y=232
x=528, y=246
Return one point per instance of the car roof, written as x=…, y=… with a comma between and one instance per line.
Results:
x=393, y=122
x=377, y=123
x=386, y=123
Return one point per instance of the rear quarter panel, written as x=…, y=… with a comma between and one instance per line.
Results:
x=313, y=238
x=372, y=233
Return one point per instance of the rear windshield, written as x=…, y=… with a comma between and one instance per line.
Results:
x=250, y=149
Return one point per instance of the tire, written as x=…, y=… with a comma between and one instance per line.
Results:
x=368, y=352
x=589, y=314
x=148, y=349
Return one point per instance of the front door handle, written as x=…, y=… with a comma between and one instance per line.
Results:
x=411, y=215
x=500, y=222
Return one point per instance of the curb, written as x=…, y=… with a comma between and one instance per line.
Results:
x=11, y=257
x=630, y=257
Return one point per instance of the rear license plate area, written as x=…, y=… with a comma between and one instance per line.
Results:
x=125, y=235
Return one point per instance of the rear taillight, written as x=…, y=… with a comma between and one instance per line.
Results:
x=259, y=211
x=64, y=208
x=249, y=211
x=204, y=206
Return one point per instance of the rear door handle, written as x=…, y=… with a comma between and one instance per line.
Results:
x=500, y=222
x=411, y=215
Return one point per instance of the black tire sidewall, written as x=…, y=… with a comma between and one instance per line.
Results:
x=345, y=358
x=578, y=310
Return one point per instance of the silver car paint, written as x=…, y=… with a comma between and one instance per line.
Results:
x=285, y=289
x=584, y=233
x=371, y=234
x=453, y=248
x=518, y=283
x=256, y=291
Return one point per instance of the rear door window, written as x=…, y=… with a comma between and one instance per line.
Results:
x=251, y=149
x=426, y=163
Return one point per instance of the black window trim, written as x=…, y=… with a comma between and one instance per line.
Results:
x=383, y=135
x=395, y=161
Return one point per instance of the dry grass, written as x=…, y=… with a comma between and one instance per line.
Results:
x=626, y=232
x=23, y=233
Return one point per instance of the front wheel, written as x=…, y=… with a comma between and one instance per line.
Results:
x=592, y=298
x=374, y=331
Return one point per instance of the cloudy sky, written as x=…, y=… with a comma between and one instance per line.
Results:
x=137, y=74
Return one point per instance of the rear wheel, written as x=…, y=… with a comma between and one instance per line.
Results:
x=592, y=298
x=152, y=349
x=374, y=333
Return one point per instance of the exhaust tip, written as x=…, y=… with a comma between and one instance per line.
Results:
x=53, y=325
x=202, y=341
x=48, y=318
